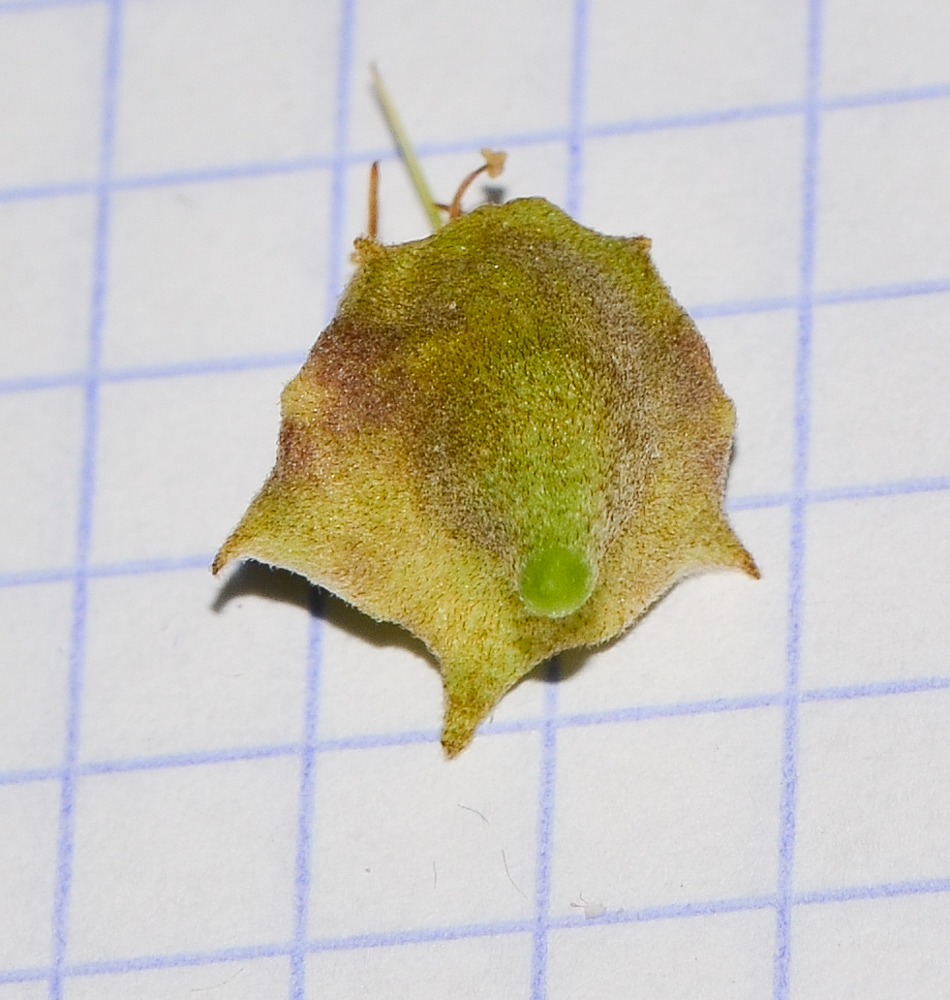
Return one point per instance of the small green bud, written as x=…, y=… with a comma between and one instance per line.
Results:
x=555, y=581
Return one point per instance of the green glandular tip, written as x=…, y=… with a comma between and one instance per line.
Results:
x=555, y=581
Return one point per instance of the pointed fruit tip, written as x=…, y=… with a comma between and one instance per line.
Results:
x=461, y=721
x=747, y=565
x=455, y=740
x=736, y=556
x=224, y=556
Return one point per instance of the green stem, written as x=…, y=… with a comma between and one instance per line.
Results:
x=406, y=151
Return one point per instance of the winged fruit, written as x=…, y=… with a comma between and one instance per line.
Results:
x=510, y=440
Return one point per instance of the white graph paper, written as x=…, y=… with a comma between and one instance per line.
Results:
x=236, y=787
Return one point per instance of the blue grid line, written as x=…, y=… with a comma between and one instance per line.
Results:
x=876, y=293
x=671, y=911
x=501, y=928
x=761, y=501
x=535, y=137
x=134, y=567
x=867, y=293
x=177, y=369
x=571, y=720
x=420, y=935
x=875, y=98
x=141, y=963
x=20, y=6
x=872, y=491
x=52, y=189
x=547, y=768
x=713, y=907
x=799, y=511
x=545, y=837
x=195, y=175
x=839, y=494
x=215, y=366
x=264, y=168
x=576, y=134
x=65, y=843
x=696, y=119
x=260, y=362
x=195, y=758
x=878, y=689
x=882, y=890
x=758, y=112
x=354, y=942
x=758, y=501
x=308, y=763
x=303, y=875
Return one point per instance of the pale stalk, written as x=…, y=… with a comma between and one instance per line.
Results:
x=408, y=154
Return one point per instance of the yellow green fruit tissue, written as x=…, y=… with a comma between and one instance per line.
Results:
x=510, y=440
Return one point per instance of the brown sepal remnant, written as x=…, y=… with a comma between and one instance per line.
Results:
x=510, y=440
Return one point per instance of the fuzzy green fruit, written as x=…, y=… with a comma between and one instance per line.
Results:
x=510, y=440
